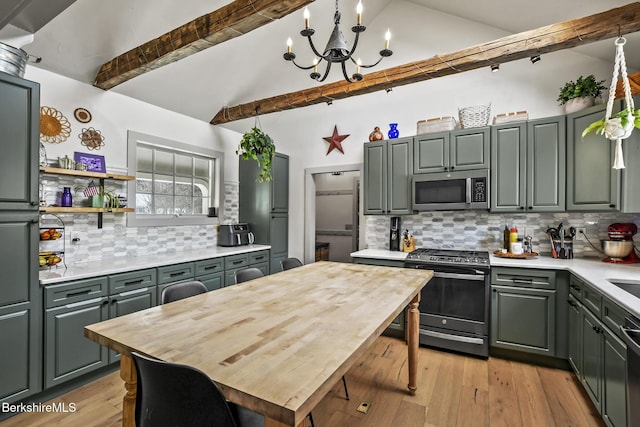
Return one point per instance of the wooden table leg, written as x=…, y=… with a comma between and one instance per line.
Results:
x=270, y=422
x=128, y=374
x=413, y=324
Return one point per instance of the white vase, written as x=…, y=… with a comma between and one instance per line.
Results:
x=577, y=104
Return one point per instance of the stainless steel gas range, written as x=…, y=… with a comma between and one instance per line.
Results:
x=454, y=306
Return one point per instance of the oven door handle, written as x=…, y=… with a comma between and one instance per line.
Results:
x=631, y=338
x=459, y=276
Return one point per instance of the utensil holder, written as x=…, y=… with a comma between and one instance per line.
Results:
x=568, y=248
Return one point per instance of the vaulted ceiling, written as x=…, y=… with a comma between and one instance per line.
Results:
x=249, y=67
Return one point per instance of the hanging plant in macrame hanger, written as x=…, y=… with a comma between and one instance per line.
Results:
x=258, y=146
x=620, y=125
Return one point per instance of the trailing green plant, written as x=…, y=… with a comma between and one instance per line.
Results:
x=582, y=87
x=258, y=146
x=624, y=117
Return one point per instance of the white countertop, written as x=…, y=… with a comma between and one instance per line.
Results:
x=89, y=269
x=591, y=270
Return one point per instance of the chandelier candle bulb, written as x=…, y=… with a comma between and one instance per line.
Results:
x=358, y=63
x=306, y=17
x=315, y=65
x=387, y=37
x=359, y=13
x=289, y=44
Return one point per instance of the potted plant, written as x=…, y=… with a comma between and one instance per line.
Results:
x=258, y=146
x=581, y=93
x=98, y=200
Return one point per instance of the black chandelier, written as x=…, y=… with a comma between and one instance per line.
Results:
x=337, y=50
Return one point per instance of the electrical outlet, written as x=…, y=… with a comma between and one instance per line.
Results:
x=581, y=230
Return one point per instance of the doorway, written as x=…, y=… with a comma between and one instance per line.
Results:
x=333, y=213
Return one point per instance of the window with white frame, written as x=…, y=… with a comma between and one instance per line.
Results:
x=176, y=183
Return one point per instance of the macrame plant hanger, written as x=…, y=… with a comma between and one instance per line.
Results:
x=613, y=128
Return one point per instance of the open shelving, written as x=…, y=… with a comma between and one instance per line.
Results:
x=85, y=174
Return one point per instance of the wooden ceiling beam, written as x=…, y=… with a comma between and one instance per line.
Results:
x=231, y=20
x=601, y=26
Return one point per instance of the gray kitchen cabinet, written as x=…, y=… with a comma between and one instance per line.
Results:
x=210, y=272
x=397, y=327
x=264, y=206
x=69, y=308
x=20, y=124
x=462, y=149
x=259, y=259
x=592, y=183
x=630, y=175
x=20, y=307
x=528, y=166
x=388, y=166
x=136, y=290
x=523, y=310
x=597, y=354
x=575, y=335
x=20, y=294
x=174, y=273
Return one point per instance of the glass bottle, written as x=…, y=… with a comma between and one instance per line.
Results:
x=506, y=239
x=66, y=200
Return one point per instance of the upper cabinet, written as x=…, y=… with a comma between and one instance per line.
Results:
x=20, y=124
x=592, y=184
x=631, y=173
x=528, y=166
x=387, y=176
x=462, y=149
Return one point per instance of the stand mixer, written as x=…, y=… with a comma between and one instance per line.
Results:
x=619, y=234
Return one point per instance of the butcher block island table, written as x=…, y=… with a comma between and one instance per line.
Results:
x=276, y=344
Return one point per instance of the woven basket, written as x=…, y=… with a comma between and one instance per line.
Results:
x=475, y=116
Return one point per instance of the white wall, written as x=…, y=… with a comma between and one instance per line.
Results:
x=113, y=114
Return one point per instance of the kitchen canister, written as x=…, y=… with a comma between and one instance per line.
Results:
x=14, y=61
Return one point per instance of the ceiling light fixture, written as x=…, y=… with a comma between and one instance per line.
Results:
x=535, y=58
x=336, y=50
x=495, y=68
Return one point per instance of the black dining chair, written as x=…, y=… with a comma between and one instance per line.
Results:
x=248, y=274
x=182, y=290
x=289, y=263
x=170, y=394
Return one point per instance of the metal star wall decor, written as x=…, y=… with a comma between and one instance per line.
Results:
x=335, y=140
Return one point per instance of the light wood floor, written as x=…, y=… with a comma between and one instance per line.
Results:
x=453, y=390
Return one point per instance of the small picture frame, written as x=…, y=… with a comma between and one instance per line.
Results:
x=94, y=162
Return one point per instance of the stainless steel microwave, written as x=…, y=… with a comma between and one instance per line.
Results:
x=450, y=190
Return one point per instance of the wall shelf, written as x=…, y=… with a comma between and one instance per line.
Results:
x=90, y=175
x=85, y=174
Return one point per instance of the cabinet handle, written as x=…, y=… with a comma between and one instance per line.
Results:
x=34, y=221
x=453, y=167
x=521, y=208
x=493, y=290
x=134, y=282
x=612, y=205
x=574, y=287
x=530, y=207
x=34, y=203
x=180, y=273
x=523, y=281
x=258, y=258
x=237, y=262
x=446, y=168
x=211, y=267
x=572, y=303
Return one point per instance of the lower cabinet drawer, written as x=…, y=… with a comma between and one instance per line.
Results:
x=209, y=266
x=132, y=280
x=176, y=273
x=523, y=277
x=76, y=291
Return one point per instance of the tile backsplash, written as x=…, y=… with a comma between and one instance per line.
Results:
x=115, y=239
x=481, y=230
